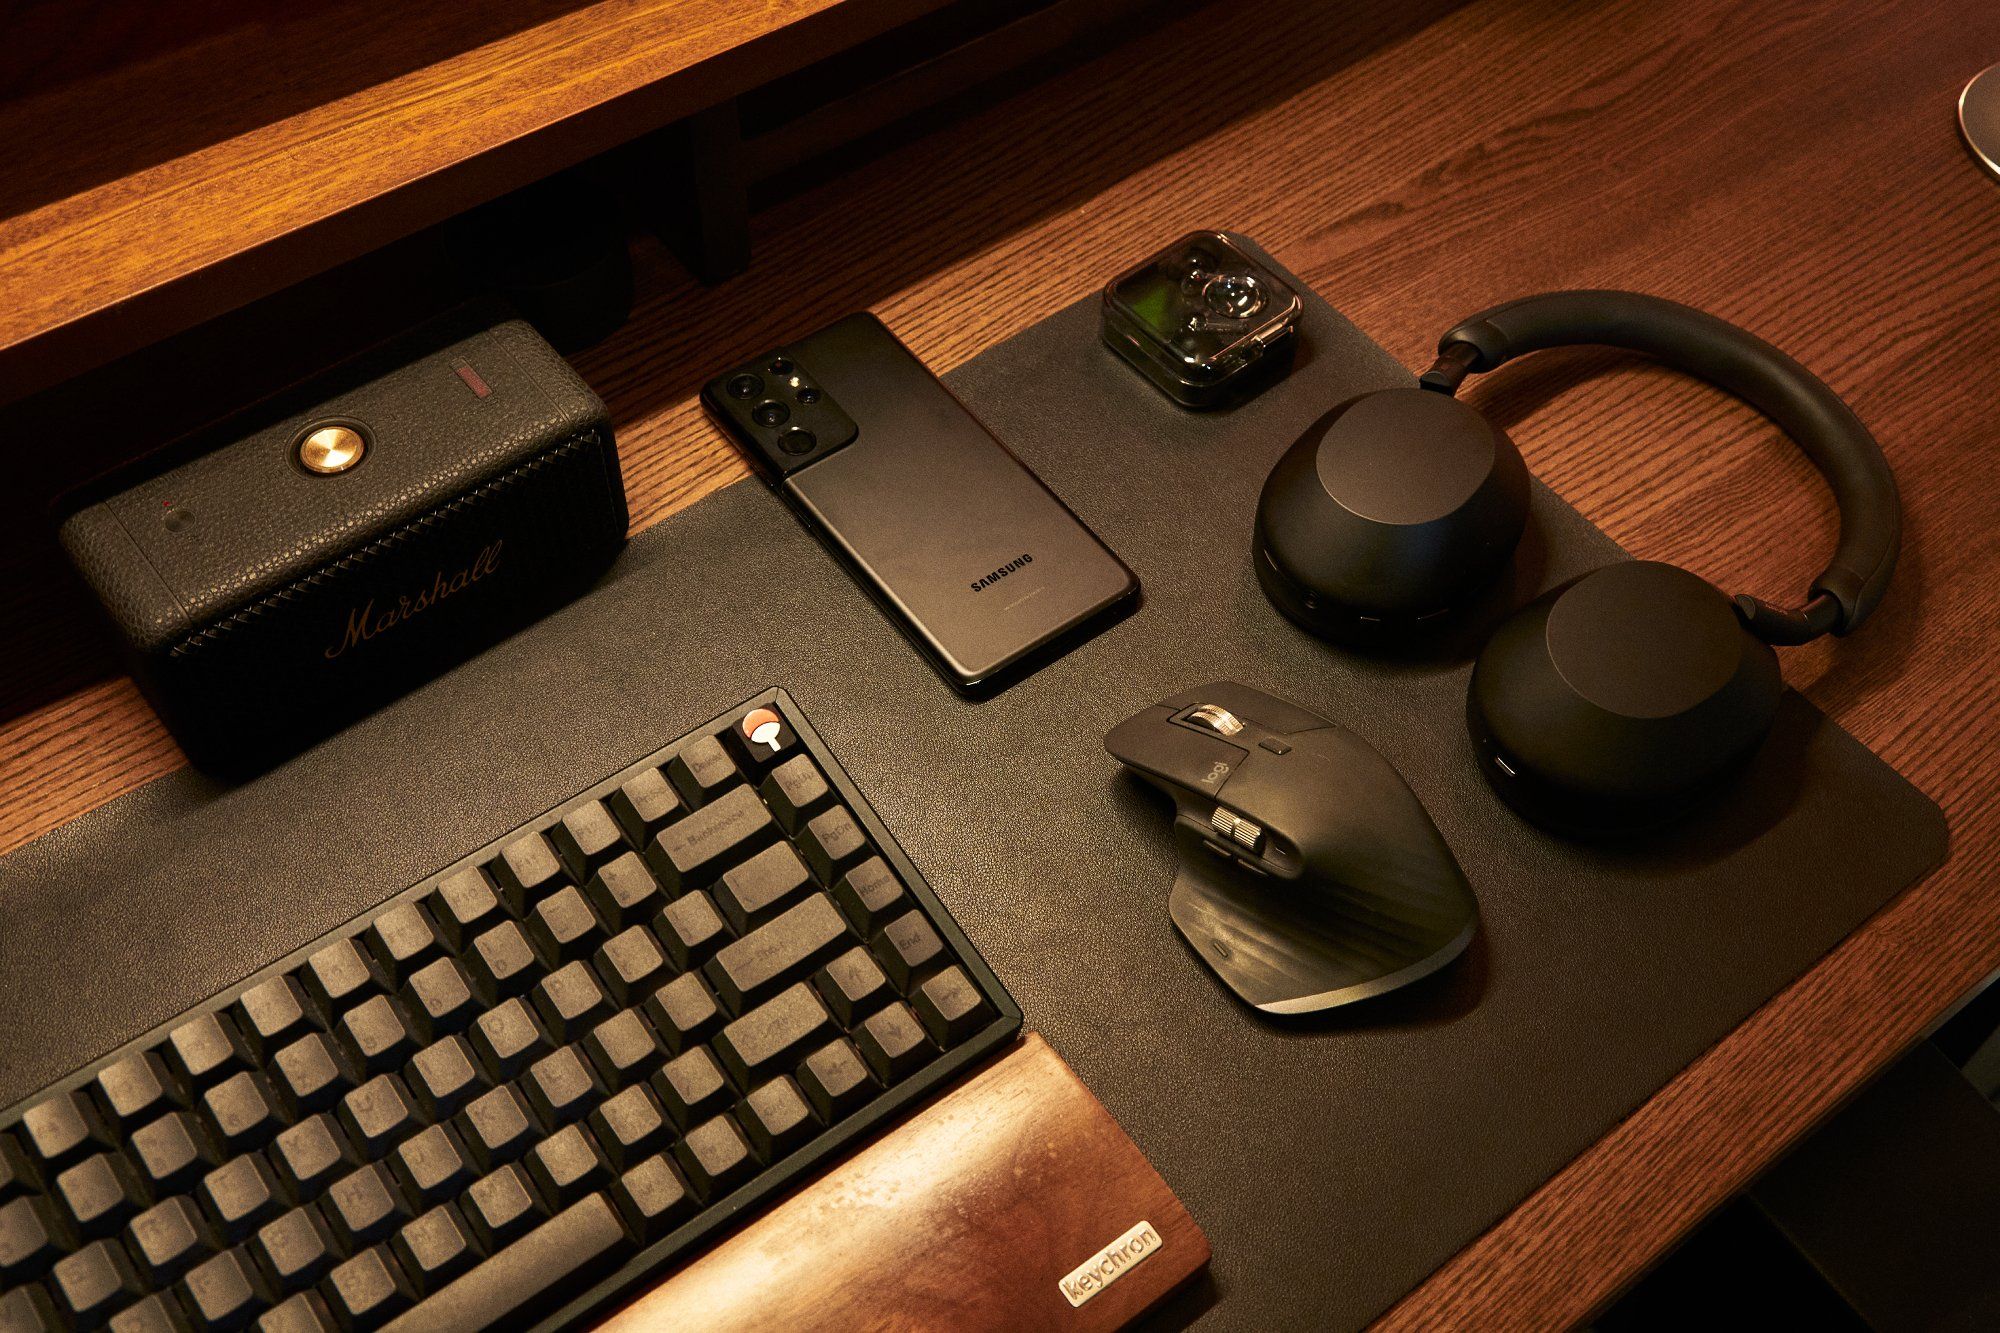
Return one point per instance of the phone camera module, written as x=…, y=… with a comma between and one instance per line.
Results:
x=797, y=440
x=770, y=414
x=745, y=386
x=1233, y=295
x=807, y=394
x=781, y=366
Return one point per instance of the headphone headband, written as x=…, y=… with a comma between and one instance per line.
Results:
x=1738, y=362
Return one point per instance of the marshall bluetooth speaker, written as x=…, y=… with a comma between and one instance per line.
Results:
x=276, y=578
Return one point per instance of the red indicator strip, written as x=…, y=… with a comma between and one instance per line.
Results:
x=472, y=380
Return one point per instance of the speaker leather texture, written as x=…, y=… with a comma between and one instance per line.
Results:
x=1333, y=1162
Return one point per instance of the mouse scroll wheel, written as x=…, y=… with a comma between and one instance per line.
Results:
x=1237, y=830
x=1217, y=718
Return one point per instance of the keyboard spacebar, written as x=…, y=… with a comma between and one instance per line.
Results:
x=532, y=1276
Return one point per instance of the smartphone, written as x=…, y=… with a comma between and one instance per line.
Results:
x=978, y=563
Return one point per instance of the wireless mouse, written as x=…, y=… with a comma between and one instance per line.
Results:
x=1310, y=875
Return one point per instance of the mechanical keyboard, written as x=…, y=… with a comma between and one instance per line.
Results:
x=525, y=1084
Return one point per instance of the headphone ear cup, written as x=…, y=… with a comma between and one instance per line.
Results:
x=1616, y=702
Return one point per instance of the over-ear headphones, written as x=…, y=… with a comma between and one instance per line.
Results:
x=1616, y=701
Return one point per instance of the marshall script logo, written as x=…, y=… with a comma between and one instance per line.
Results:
x=364, y=622
x=1109, y=1264
x=1002, y=572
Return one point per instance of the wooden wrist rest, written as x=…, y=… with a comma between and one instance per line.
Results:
x=998, y=1206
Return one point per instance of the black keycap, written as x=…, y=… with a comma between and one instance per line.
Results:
x=690, y=929
x=438, y=1000
x=908, y=947
x=622, y=1049
x=100, y=1193
x=950, y=1007
x=835, y=1080
x=340, y=976
x=242, y=1112
x=871, y=895
x=585, y=838
x=496, y=1127
x=691, y=1086
x=645, y=805
x=402, y=940
x=714, y=1157
x=134, y=1091
x=632, y=965
x=570, y=1002
x=33, y=1235
x=567, y=1165
x=240, y=1195
x=501, y=962
x=311, y=1074
x=301, y=1312
x=751, y=894
x=443, y=1077
x=465, y=907
x=62, y=1127
x=560, y=1087
x=788, y=946
x=172, y=1152
x=272, y=1014
x=364, y=1206
x=206, y=1050
x=168, y=1238
x=222, y=1292
x=432, y=1166
x=832, y=842
x=752, y=1046
x=377, y=1035
x=763, y=738
x=507, y=1039
x=378, y=1115
x=368, y=1290
x=630, y=1127
x=500, y=1207
x=94, y=1282
x=892, y=1042
x=435, y=1248
x=653, y=1199
x=567, y=1251
x=702, y=771
x=796, y=791
x=18, y=1175
x=691, y=852
x=851, y=984
x=526, y=870
x=563, y=928
x=30, y=1310
x=311, y=1155
x=777, y=1119
x=294, y=1250
x=623, y=892
x=682, y=1012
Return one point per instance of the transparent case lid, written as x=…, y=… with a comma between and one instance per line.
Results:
x=1201, y=309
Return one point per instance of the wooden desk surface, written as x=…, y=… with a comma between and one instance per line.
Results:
x=1790, y=165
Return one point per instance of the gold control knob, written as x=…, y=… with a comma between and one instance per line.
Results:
x=331, y=449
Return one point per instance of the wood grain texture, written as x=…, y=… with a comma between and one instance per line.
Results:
x=1791, y=165
x=253, y=146
x=966, y=1217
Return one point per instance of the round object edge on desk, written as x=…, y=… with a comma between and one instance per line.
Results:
x=1979, y=119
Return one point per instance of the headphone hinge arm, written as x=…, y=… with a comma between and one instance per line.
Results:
x=1455, y=361
x=1783, y=628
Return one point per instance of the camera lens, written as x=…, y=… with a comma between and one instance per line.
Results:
x=797, y=440
x=1237, y=295
x=745, y=386
x=807, y=394
x=780, y=366
x=770, y=414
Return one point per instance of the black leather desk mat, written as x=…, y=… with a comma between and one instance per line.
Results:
x=1333, y=1163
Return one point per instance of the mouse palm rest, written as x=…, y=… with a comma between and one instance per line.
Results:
x=1285, y=954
